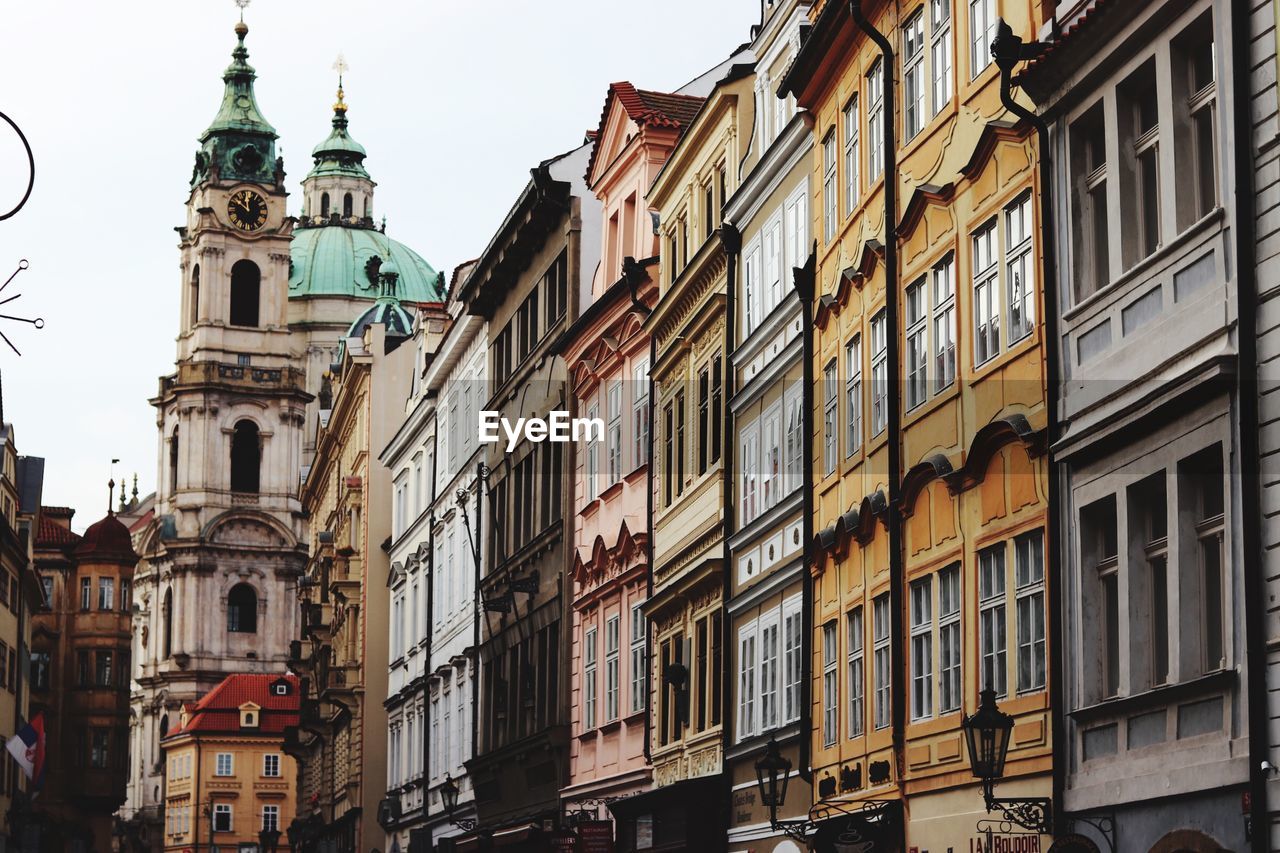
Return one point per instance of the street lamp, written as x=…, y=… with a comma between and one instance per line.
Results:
x=986, y=734
x=771, y=776
x=449, y=796
x=268, y=839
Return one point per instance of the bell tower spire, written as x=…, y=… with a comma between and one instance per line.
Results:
x=239, y=144
x=338, y=187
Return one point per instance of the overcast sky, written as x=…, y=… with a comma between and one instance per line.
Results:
x=453, y=101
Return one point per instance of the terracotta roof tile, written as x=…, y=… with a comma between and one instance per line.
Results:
x=219, y=710
x=51, y=534
x=647, y=109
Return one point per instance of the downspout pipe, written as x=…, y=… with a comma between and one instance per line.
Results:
x=1245, y=227
x=649, y=681
x=893, y=355
x=431, y=609
x=731, y=244
x=805, y=279
x=1008, y=50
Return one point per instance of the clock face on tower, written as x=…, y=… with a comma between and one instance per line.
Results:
x=247, y=210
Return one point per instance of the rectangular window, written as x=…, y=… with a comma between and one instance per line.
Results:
x=103, y=671
x=589, y=679
x=1018, y=267
x=717, y=406
x=830, y=684
x=917, y=343
x=1200, y=59
x=913, y=74
x=221, y=817
x=612, y=666
x=613, y=471
x=795, y=462
x=940, y=52
x=1089, y=204
x=270, y=818
x=1028, y=565
x=668, y=454
x=880, y=660
x=747, y=688
x=992, y=620
x=829, y=186
x=986, y=299
x=853, y=395
x=681, y=453
x=879, y=373
x=830, y=408
x=640, y=414
x=792, y=634
x=949, y=641
x=982, y=29
x=922, y=649
x=854, y=672
x=704, y=418
x=222, y=765
x=771, y=449
x=875, y=121
x=82, y=667
x=271, y=765
x=851, y=186
x=750, y=464
x=593, y=459
x=769, y=656
x=639, y=662
x=106, y=594
x=944, y=324
x=86, y=593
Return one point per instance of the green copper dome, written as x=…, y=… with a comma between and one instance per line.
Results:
x=337, y=260
x=339, y=154
x=239, y=144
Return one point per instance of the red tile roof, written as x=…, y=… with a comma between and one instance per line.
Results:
x=51, y=534
x=647, y=109
x=219, y=711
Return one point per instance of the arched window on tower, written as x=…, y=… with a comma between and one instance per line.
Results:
x=173, y=461
x=246, y=457
x=347, y=205
x=242, y=609
x=245, y=280
x=367, y=211
x=166, y=613
x=324, y=205
x=193, y=310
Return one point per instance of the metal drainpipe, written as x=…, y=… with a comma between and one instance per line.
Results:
x=731, y=243
x=1245, y=229
x=805, y=284
x=431, y=598
x=475, y=622
x=893, y=357
x=1008, y=50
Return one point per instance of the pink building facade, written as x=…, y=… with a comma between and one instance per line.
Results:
x=607, y=354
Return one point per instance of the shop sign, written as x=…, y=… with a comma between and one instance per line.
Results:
x=564, y=841
x=991, y=843
x=850, y=834
x=595, y=836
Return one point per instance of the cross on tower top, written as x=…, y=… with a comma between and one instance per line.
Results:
x=242, y=4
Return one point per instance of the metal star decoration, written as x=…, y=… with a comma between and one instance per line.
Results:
x=38, y=322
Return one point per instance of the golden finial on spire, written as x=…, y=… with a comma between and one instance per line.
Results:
x=340, y=65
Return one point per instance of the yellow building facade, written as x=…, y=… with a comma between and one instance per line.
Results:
x=930, y=481
x=691, y=384
x=227, y=778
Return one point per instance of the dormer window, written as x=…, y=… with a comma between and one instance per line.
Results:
x=280, y=688
x=250, y=715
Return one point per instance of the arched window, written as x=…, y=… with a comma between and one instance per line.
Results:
x=367, y=212
x=193, y=310
x=242, y=609
x=245, y=280
x=173, y=461
x=346, y=205
x=166, y=612
x=164, y=725
x=324, y=205
x=246, y=457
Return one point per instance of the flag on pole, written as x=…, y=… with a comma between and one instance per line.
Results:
x=27, y=748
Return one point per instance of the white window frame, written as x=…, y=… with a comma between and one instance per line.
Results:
x=613, y=430
x=921, y=628
x=771, y=456
x=875, y=121
x=917, y=342
x=1029, y=604
x=769, y=649
x=224, y=764
x=830, y=684
x=986, y=293
x=950, y=640
x=1019, y=265
x=940, y=53
x=993, y=639
x=640, y=413
x=853, y=394
x=879, y=373
x=589, y=685
x=829, y=205
x=593, y=457
x=982, y=29
x=830, y=416
x=749, y=449
x=639, y=658
x=913, y=76
x=270, y=817
x=855, y=671
x=852, y=189
x=943, y=291
x=271, y=765
x=793, y=669
x=612, y=666
x=880, y=659
x=223, y=818
x=747, y=680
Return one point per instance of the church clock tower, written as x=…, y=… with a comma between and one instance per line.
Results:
x=215, y=589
